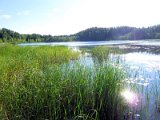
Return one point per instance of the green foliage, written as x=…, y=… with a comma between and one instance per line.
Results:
x=38, y=83
x=91, y=34
x=119, y=33
x=10, y=36
x=100, y=34
x=1, y=40
x=100, y=54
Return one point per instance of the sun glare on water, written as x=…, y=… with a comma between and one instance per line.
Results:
x=130, y=97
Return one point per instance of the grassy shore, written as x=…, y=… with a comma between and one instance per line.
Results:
x=39, y=83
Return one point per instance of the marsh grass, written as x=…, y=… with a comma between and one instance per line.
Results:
x=38, y=83
x=148, y=106
x=149, y=94
x=101, y=54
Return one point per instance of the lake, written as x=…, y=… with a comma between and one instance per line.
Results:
x=82, y=44
x=141, y=61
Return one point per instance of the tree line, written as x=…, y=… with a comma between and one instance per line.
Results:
x=7, y=35
x=91, y=34
x=119, y=33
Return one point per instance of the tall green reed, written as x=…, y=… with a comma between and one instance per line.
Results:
x=39, y=83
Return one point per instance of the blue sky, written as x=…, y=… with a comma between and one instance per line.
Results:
x=58, y=17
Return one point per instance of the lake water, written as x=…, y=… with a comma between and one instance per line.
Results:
x=95, y=43
x=81, y=44
x=141, y=60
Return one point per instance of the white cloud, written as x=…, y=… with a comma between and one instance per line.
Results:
x=5, y=16
x=25, y=12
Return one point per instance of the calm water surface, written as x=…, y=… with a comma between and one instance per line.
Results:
x=81, y=44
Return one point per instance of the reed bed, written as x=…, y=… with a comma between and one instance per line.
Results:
x=141, y=85
x=39, y=83
x=148, y=104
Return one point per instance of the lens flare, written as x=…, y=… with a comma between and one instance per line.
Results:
x=130, y=97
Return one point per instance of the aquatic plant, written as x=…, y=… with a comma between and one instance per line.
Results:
x=39, y=83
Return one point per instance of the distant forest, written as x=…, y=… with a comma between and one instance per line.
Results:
x=91, y=34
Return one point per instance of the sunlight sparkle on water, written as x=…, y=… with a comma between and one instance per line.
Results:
x=130, y=97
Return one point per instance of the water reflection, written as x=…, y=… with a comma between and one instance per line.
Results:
x=143, y=77
x=76, y=43
x=130, y=97
x=144, y=58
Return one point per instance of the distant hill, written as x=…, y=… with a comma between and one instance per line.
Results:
x=119, y=33
x=91, y=34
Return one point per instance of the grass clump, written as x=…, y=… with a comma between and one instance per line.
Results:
x=100, y=53
x=34, y=85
